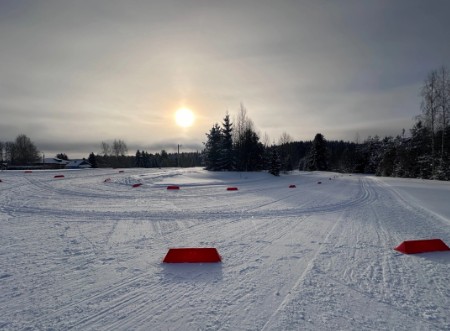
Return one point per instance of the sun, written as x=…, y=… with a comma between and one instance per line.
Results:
x=184, y=117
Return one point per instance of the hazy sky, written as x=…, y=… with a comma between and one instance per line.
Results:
x=75, y=73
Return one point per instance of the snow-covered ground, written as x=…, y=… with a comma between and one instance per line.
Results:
x=84, y=254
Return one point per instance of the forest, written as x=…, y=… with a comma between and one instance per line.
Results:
x=423, y=153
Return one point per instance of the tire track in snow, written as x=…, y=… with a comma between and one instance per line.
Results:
x=274, y=229
x=95, y=297
x=408, y=204
x=365, y=196
x=392, y=289
x=241, y=226
x=373, y=279
x=299, y=281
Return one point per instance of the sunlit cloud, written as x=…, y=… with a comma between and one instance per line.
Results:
x=80, y=73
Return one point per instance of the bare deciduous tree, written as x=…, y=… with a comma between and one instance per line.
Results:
x=430, y=108
x=119, y=148
x=285, y=138
x=9, y=151
x=24, y=150
x=444, y=103
x=2, y=147
x=265, y=140
x=242, y=123
x=105, y=148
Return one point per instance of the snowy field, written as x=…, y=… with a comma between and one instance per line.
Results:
x=79, y=253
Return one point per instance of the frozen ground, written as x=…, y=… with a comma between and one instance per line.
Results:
x=83, y=254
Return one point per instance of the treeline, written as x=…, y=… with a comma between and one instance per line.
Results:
x=23, y=152
x=422, y=154
x=143, y=159
x=115, y=155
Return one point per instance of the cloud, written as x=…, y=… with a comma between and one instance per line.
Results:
x=82, y=72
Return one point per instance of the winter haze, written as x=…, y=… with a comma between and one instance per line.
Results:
x=76, y=73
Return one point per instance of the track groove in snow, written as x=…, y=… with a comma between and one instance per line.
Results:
x=81, y=254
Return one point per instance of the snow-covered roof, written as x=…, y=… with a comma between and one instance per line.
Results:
x=78, y=164
x=54, y=160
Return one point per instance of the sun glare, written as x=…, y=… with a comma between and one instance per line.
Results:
x=184, y=117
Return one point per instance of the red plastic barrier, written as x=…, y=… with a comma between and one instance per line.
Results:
x=137, y=185
x=58, y=176
x=232, y=188
x=292, y=186
x=173, y=187
x=192, y=255
x=422, y=246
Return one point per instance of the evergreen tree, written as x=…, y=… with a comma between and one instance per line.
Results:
x=287, y=164
x=62, y=156
x=275, y=163
x=213, y=147
x=92, y=159
x=227, y=153
x=285, y=151
x=421, y=152
x=138, y=159
x=386, y=166
x=317, y=158
x=249, y=151
x=164, y=159
x=347, y=159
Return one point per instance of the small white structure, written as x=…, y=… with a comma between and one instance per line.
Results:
x=53, y=162
x=78, y=164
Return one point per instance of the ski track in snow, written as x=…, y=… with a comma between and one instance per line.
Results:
x=80, y=253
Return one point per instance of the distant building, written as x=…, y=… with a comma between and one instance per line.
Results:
x=78, y=164
x=54, y=163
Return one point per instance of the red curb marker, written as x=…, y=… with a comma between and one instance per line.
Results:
x=422, y=246
x=137, y=185
x=192, y=255
x=58, y=176
x=173, y=187
x=232, y=188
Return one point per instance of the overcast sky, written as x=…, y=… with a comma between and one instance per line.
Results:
x=75, y=73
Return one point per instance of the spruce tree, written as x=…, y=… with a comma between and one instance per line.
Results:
x=275, y=163
x=138, y=159
x=249, y=151
x=227, y=153
x=212, y=152
x=317, y=158
x=92, y=159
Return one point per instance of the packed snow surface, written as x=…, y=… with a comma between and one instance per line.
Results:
x=85, y=252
